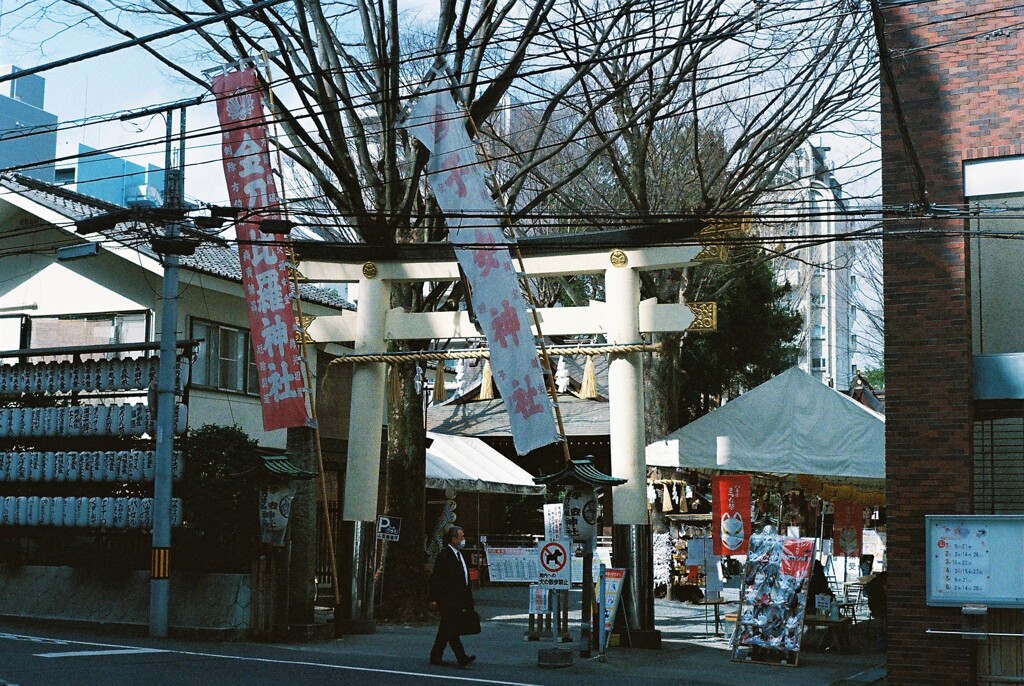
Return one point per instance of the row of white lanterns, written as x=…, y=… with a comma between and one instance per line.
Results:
x=135, y=373
x=87, y=465
x=83, y=420
x=85, y=512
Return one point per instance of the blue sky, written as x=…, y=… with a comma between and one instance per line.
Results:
x=36, y=32
x=125, y=80
x=132, y=79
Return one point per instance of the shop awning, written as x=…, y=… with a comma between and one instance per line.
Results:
x=791, y=424
x=469, y=464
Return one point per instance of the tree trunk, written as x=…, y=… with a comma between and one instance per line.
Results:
x=661, y=371
x=661, y=388
x=302, y=528
x=403, y=595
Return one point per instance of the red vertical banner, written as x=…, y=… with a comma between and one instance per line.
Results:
x=847, y=528
x=268, y=291
x=730, y=507
x=797, y=555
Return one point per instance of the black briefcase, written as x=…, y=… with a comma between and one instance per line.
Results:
x=469, y=623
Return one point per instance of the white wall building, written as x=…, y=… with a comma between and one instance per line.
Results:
x=113, y=296
x=28, y=133
x=811, y=209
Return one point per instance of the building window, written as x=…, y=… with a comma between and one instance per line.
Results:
x=64, y=176
x=224, y=359
x=818, y=332
x=853, y=311
x=818, y=300
x=817, y=363
x=853, y=342
x=88, y=330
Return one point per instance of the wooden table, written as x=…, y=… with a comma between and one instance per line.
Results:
x=837, y=632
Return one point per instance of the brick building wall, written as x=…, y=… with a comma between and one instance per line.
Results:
x=962, y=96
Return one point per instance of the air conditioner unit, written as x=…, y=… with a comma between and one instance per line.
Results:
x=145, y=196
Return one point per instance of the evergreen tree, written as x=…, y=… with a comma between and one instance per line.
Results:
x=753, y=342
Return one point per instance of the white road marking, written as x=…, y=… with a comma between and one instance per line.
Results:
x=125, y=649
x=348, y=668
x=33, y=639
x=94, y=653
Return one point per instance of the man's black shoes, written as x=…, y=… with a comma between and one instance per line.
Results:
x=466, y=660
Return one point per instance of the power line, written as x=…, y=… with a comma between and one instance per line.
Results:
x=430, y=54
x=190, y=26
x=322, y=113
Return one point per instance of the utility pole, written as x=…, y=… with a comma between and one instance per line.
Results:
x=160, y=571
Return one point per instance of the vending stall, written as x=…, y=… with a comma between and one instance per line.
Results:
x=814, y=461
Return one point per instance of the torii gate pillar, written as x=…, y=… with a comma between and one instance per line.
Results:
x=363, y=468
x=632, y=546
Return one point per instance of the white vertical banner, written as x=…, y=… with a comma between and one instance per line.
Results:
x=457, y=179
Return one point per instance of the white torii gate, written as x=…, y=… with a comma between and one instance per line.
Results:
x=622, y=318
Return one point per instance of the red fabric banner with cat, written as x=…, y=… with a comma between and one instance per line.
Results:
x=730, y=507
x=847, y=528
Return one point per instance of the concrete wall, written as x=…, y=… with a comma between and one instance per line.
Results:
x=209, y=605
x=996, y=288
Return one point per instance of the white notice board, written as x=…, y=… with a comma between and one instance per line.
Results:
x=975, y=559
x=520, y=565
x=512, y=565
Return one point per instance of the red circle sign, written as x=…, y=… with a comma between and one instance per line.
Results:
x=553, y=557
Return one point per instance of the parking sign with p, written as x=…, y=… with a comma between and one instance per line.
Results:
x=388, y=527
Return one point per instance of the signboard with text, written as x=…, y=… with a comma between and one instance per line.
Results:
x=511, y=565
x=553, y=521
x=613, y=579
x=975, y=559
x=388, y=527
x=520, y=565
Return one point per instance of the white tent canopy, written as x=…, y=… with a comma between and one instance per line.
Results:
x=468, y=464
x=791, y=424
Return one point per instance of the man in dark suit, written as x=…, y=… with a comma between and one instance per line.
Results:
x=451, y=592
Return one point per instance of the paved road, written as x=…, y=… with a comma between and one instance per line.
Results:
x=40, y=658
x=56, y=655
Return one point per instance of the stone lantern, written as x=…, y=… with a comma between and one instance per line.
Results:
x=277, y=476
x=580, y=512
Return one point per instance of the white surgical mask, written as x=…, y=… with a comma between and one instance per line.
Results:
x=462, y=544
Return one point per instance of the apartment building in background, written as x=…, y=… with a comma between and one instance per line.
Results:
x=28, y=146
x=28, y=133
x=807, y=212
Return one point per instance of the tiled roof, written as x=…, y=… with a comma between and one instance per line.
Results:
x=580, y=472
x=489, y=418
x=74, y=206
x=209, y=258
